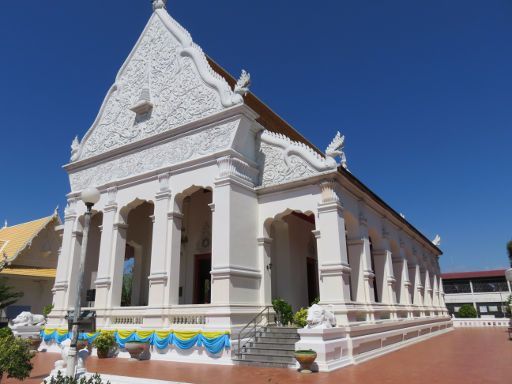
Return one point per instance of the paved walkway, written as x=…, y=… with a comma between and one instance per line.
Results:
x=469, y=356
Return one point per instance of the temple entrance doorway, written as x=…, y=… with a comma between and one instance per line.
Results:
x=294, y=260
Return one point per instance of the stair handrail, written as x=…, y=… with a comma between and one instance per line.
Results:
x=254, y=328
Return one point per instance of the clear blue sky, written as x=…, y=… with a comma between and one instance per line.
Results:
x=421, y=90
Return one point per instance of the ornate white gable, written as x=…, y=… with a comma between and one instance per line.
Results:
x=165, y=82
x=283, y=160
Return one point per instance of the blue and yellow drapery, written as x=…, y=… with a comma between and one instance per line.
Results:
x=213, y=342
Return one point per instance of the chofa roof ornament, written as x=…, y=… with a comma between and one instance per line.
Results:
x=75, y=146
x=437, y=241
x=158, y=4
x=335, y=149
x=243, y=83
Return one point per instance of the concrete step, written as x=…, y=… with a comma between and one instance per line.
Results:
x=281, y=335
x=276, y=340
x=263, y=364
x=270, y=352
x=268, y=358
x=273, y=329
x=272, y=346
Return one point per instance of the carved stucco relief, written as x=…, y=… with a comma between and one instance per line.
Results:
x=277, y=171
x=283, y=160
x=189, y=147
x=178, y=94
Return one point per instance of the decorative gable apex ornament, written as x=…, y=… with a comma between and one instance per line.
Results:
x=75, y=148
x=243, y=83
x=335, y=149
x=437, y=241
x=158, y=4
x=166, y=82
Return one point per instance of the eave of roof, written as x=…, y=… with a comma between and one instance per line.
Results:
x=473, y=274
x=29, y=272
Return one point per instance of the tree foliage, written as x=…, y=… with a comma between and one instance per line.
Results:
x=509, y=250
x=15, y=356
x=467, y=311
x=283, y=311
x=8, y=295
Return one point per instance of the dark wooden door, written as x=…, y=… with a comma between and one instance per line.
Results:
x=202, y=279
x=312, y=280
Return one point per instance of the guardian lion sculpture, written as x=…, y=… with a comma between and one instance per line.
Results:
x=27, y=319
x=320, y=318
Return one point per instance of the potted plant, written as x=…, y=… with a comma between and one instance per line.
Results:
x=138, y=350
x=305, y=358
x=105, y=344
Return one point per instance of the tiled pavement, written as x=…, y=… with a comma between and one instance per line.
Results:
x=469, y=356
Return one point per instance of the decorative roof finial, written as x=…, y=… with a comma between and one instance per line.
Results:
x=243, y=83
x=56, y=211
x=437, y=241
x=5, y=223
x=335, y=149
x=158, y=4
x=75, y=146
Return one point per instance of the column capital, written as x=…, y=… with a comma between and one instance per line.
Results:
x=174, y=216
x=334, y=269
x=163, y=195
x=110, y=207
x=329, y=191
x=265, y=240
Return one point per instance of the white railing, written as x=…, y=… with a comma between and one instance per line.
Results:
x=467, y=323
x=193, y=319
x=127, y=320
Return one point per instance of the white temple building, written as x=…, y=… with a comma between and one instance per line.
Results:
x=211, y=206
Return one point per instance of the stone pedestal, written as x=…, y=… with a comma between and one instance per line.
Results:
x=331, y=346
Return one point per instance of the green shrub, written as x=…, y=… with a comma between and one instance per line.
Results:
x=60, y=379
x=15, y=356
x=283, y=311
x=467, y=311
x=105, y=341
x=5, y=332
x=47, y=309
x=300, y=319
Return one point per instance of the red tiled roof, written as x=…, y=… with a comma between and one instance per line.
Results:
x=469, y=275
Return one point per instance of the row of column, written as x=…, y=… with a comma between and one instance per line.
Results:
x=400, y=285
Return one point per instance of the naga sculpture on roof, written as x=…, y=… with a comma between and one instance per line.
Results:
x=335, y=149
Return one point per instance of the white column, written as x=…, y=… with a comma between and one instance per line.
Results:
x=60, y=288
x=361, y=289
x=418, y=288
x=103, y=279
x=159, y=275
x=435, y=296
x=235, y=273
x=173, y=258
x=427, y=296
x=73, y=265
x=385, y=275
x=333, y=265
x=264, y=257
x=117, y=264
x=441, y=296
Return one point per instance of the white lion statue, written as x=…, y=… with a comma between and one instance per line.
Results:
x=320, y=318
x=27, y=319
